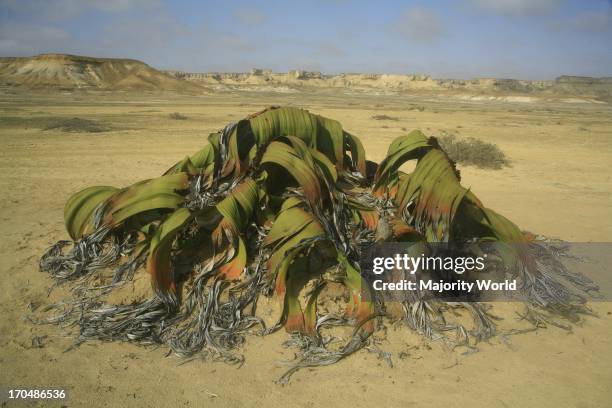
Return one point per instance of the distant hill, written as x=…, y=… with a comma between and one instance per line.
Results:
x=599, y=89
x=61, y=71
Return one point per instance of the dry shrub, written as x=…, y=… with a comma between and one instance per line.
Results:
x=474, y=152
x=78, y=125
x=177, y=116
x=383, y=117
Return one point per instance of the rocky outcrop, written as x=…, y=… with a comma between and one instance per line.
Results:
x=600, y=88
x=61, y=71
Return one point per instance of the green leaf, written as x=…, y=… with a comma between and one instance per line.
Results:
x=238, y=206
x=292, y=226
x=184, y=166
x=239, y=145
x=310, y=313
x=303, y=172
x=204, y=157
x=159, y=263
x=402, y=149
x=293, y=317
x=357, y=153
x=326, y=167
x=330, y=140
x=430, y=196
x=293, y=275
x=79, y=209
x=360, y=306
x=273, y=123
x=317, y=132
x=145, y=196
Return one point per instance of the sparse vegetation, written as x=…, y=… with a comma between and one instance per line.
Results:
x=177, y=116
x=474, y=152
x=78, y=125
x=384, y=117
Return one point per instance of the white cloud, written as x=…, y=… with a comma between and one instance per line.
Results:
x=419, y=24
x=514, y=8
x=37, y=27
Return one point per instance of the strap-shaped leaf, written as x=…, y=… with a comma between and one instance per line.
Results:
x=292, y=226
x=303, y=172
x=310, y=313
x=273, y=123
x=292, y=272
x=292, y=276
x=357, y=153
x=79, y=209
x=204, y=157
x=360, y=306
x=430, y=196
x=317, y=132
x=233, y=269
x=236, y=210
x=238, y=206
x=159, y=264
x=184, y=166
x=291, y=219
x=508, y=240
x=300, y=148
x=402, y=149
x=145, y=196
x=238, y=147
x=327, y=168
x=330, y=140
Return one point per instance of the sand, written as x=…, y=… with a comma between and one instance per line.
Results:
x=559, y=185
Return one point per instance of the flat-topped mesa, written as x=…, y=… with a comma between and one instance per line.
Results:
x=69, y=58
x=64, y=71
x=496, y=84
x=300, y=74
x=600, y=88
x=261, y=72
x=583, y=80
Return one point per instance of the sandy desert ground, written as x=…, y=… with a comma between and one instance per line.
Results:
x=559, y=185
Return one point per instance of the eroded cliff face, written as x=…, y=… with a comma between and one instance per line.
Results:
x=599, y=88
x=61, y=71
x=53, y=71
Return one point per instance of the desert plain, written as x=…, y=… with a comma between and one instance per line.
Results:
x=558, y=184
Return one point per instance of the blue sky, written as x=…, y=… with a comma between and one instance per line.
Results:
x=532, y=39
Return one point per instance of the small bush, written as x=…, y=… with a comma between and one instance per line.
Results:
x=177, y=116
x=78, y=125
x=474, y=152
x=383, y=117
